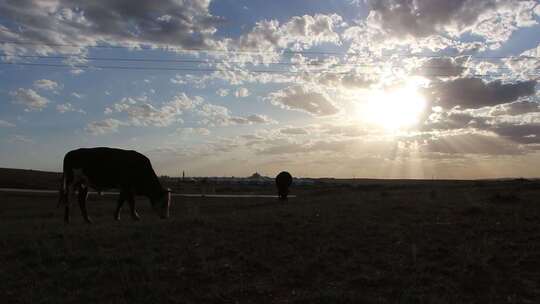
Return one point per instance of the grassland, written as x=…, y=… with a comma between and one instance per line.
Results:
x=423, y=242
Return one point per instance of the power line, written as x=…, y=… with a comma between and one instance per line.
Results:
x=143, y=47
x=172, y=60
x=141, y=68
x=199, y=61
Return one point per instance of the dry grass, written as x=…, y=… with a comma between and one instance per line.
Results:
x=437, y=244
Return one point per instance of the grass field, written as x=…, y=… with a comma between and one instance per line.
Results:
x=427, y=243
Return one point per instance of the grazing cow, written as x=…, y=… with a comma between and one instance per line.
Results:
x=104, y=168
x=283, y=182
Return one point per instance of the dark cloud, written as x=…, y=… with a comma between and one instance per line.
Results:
x=452, y=121
x=161, y=22
x=440, y=67
x=520, y=133
x=474, y=93
x=516, y=108
x=421, y=18
x=304, y=98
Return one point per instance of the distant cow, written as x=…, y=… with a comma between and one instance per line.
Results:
x=105, y=168
x=283, y=182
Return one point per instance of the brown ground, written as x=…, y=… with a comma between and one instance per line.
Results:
x=462, y=242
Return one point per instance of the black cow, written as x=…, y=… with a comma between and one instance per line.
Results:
x=105, y=168
x=283, y=182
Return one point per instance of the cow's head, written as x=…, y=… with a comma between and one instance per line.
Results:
x=162, y=203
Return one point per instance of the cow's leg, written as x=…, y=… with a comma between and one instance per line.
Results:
x=66, y=212
x=121, y=200
x=70, y=196
x=83, y=195
x=131, y=201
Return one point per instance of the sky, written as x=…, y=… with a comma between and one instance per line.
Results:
x=352, y=88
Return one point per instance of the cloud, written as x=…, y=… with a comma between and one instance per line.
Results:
x=351, y=79
x=196, y=131
x=452, y=121
x=143, y=113
x=441, y=67
x=309, y=146
x=252, y=119
x=215, y=115
x=516, y=108
x=67, y=107
x=6, y=124
x=426, y=17
x=17, y=138
x=435, y=25
x=222, y=92
x=186, y=24
x=293, y=131
x=520, y=131
x=304, y=98
x=46, y=84
x=471, y=144
x=109, y=125
x=346, y=130
x=300, y=31
x=241, y=92
x=77, y=95
x=473, y=93
x=525, y=133
x=31, y=100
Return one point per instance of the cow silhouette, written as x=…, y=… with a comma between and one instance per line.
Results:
x=105, y=168
x=283, y=182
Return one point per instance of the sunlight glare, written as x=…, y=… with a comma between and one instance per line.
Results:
x=396, y=109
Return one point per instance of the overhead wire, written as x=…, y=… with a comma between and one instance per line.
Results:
x=146, y=68
x=201, y=61
x=327, y=65
x=232, y=51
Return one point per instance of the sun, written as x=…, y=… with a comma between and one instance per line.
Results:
x=395, y=109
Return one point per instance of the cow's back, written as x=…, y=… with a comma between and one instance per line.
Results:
x=111, y=168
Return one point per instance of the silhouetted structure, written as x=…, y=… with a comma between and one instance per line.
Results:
x=283, y=182
x=105, y=168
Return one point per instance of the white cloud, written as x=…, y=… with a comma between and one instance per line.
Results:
x=252, y=119
x=109, y=125
x=77, y=95
x=6, y=124
x=31, y=100
x=241, y=92
x=300, y=31
x=435, y=25
x=143, y=113
x=196, y=131
x=222, y=92
x=17, y=138
x=67, y=107
x=304, y=98
x=215, y=115
x=46, y=84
